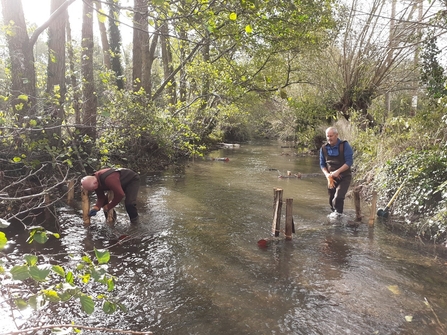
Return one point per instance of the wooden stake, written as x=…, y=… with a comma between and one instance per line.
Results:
x=289, y=219
x=71, y=191
x=110, y=219
x=277, y=205
x=85, y=207
x=372, y=215
x=358, y=212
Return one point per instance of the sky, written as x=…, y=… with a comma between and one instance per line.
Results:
x=38, y=11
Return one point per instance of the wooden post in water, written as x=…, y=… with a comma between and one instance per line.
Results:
x=289, y=219
x=71, y=192
x=110, y=219
x=372, y=215
x=85, y=207
x=277, y=205
x=358, y=212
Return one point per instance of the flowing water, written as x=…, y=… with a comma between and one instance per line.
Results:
x=195, y=266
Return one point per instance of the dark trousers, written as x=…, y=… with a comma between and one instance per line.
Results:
x=338, y=193
x=131, y=191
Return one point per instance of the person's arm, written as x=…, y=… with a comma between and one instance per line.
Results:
x=100, y=198
x=323, y=164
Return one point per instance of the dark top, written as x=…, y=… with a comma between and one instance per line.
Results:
x=334, y=157
x=114, y=180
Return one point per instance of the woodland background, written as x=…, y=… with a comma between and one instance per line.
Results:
x=198, y=73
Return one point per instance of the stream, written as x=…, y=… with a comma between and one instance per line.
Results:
x=195, y=266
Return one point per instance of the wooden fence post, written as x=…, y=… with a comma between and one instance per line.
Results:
x=277, y=205
x=358, y=212
x=372, y=215
x=289, y=219
x=85, y=207
x=70, y=193
x=110, y=219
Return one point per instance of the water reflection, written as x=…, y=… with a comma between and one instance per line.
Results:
x=194, y=265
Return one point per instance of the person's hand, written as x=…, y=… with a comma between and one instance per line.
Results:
x=330, y=181
x=93, y=211
x=105, y=208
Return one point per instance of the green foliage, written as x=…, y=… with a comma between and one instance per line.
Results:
x=432, y=73
x=411, y=151
x=54, y=284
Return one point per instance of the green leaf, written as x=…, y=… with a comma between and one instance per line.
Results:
x=87, y=259
x=4, y=224
x=87, y=303
x=85, y=278
x=109, y=307
x=65, y=296
x=30, y=259
x=98, y=273
x=59, y=270
x=21, y=304
x=3, y=240
x=110, y=284
x=32, y=302
x=40, y=237
x=39, y=273
x=101, y=16
x=51, y=295
x=103, y=256
x=69, y=278
x=20, y=272
x=23, y=97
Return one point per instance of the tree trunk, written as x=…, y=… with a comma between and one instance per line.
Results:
x=414, y=99
x=115, y=43
x=182, y=81
x=56, y=88
x=138, y=38
x=205, y=80
x=104, y=39
x=149, y=61
x=73, y=80
x=166, y=55
x=89, y=106
x=392, y=42
x=23, y=88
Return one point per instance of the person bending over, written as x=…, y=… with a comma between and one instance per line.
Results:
x=123, y=182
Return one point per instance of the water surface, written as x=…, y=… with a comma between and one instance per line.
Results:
x=195, y=266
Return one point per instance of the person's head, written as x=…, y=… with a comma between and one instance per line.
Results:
x=89, y=183
x=332, y=135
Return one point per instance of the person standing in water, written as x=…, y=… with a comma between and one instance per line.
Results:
x=336, y=159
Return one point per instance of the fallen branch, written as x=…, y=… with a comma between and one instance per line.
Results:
x=28, y=330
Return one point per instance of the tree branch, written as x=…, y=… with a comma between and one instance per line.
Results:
x=45, y=25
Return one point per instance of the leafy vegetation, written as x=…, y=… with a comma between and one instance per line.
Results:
x=200, y=73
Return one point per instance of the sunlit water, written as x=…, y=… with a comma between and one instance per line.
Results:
x=194, y=266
